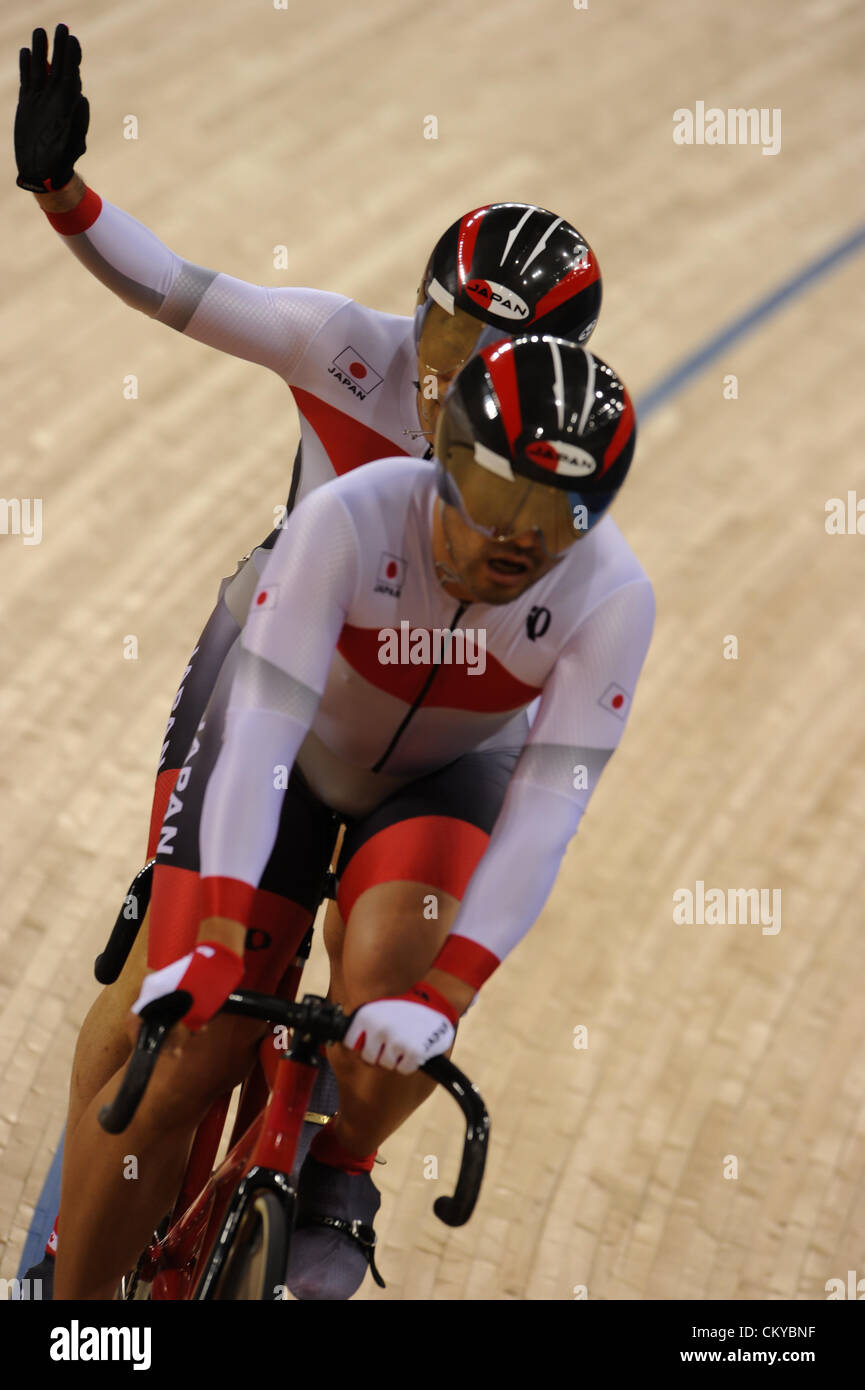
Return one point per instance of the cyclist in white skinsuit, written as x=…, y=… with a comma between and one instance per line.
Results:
x=346, y=690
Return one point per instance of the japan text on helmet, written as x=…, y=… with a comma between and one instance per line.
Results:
x=515, y=266
x=536, y=432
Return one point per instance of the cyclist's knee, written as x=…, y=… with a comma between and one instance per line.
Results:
x=391, y=940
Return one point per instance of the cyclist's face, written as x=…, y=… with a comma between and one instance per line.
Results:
x=491, y=571
x=446, y=343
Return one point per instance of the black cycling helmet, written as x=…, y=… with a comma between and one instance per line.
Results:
x=538, y=434
x=514, y=266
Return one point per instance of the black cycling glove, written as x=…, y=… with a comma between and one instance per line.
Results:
x=52, y=117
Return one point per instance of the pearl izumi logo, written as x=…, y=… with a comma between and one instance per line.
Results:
x=77, y=1343
x=559, y=457
x=506, y=303
x=418, y=646
x=391, y=574
x=537, y=623
x=353, y=371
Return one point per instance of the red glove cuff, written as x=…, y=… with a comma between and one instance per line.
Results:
x=214, y=971
x=422, y=993
x=78, y=219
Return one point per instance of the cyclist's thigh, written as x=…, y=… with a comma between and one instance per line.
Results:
x=404, y=868
x=389, y=943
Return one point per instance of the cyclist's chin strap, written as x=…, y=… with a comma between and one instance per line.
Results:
x=358, y=1231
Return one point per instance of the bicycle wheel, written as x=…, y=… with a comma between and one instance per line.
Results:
x=255, y=1265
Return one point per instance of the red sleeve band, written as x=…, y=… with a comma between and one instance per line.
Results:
x=423, y=993
x=467, y=960
x=77, y=219
x=227, y=897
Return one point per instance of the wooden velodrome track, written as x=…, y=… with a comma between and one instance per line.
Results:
x=259, y=127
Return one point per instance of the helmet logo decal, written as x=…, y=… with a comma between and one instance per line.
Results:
x=542, y=452
x=497, y=299
x=565, y=459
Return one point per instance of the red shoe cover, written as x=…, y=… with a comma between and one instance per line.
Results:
x=328, y=1150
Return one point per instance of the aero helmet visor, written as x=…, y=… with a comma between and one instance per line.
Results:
x=499, y=504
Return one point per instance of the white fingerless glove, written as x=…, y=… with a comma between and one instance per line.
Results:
x=404, y=1032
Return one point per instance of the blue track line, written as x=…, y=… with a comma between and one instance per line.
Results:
x=44, y=1214
x=696, y=362
x=668, y=386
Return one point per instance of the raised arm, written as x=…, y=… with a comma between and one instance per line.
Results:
x=261, y=324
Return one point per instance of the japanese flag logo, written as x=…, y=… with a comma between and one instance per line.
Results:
x=616, y=700
x=265, y=598
x=363, y=373
x=391, y=572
